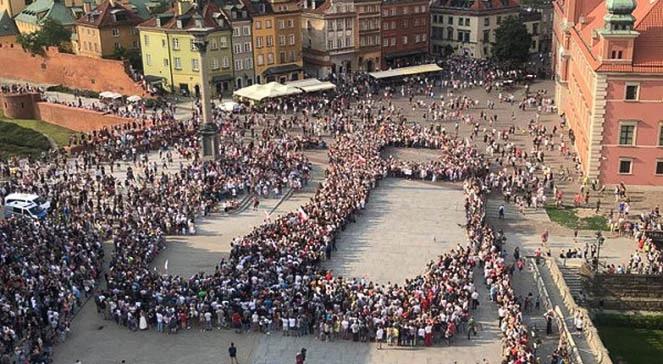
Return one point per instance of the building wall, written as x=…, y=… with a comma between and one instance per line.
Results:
x=170, y=55
x=12, y=7
x=404, y=19
x=74, y=118
x=19, y=106
x=263, y=30
x=369, y=39
x=291, y=32
x=7, y=40
x=67, y=69
x=646, y=114
x=242, y=42
x=101, y=42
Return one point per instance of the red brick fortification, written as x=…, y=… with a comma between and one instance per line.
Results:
x=19, y=106
x=70, y=70
x=74, y=118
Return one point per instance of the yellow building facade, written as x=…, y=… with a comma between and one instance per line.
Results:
x=170, y=58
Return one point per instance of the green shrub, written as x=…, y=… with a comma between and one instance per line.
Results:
x=19, y=141
x=67, y=90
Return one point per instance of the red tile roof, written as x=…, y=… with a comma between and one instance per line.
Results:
x=102, y=16
x=170, y=18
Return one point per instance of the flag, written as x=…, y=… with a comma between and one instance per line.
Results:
x=302, y=214
x=165, y=265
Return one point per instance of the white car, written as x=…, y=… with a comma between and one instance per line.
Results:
x=28, y=198
x=24, y=209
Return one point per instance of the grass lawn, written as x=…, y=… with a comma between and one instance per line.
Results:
x=59, y=134
x=567, y=216
x=633, y=345
x=16, y=140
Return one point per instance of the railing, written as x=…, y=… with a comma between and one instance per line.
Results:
x=559, y=316
x=590, y=331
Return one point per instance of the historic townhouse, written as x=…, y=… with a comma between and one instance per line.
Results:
x=242, y=41
x=170, y=57
x=370, y=40
x=404, y=32
x=329, y=32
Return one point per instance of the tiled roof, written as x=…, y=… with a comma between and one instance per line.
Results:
x=210, y=14
x=254, y=7
x=106, y=15
x=648, y=46
x=478, y=5
x=7, y=25
x=41, y=10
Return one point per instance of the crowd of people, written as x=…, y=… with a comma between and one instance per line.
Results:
x=272, y=281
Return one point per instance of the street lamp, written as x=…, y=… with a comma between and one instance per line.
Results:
x=599, y=242
x=209, y=132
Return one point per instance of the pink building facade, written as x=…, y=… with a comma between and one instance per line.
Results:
x=609, y=86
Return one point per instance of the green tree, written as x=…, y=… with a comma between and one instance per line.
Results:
x=131, y=55
x=51, y=34
x=512, y=41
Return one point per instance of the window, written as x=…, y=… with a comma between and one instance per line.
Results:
x=215, y=63
x=281, y=24
x=117, y=45
x=134, y=44
x=385, y=42
x=176, y=44
x=116, y=32
x=236, y=32
x=451, y=20
x=660, y=134
x=659, y=167
x=405, y=39
x=148, y=59
x=631, y=93
x=213, y=45
x=223, y=42
x=270, y=41
x=225, y=63
x=486, y=22
x=163, y=42
x=627, y=133
x=282, y=40
x=270, y=58
x=291, y=23
x=258, y=24
x=467, y=22
x=291, y=39
x=393, y=41
x=194, y=65
x=486, y=35
x=258, y=42
x=450, y=33
x=268, y=24
x=191, y=45
x=238, y=64
x=178, y=63
x=247, y=47
x=237, y=48
x=460, y=21
x=625, y=166
x=246, y=30
x=261, y=60
x=146, y=40
x=248, y=63
x=499, y=20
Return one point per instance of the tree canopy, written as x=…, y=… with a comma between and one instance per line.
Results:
x=50, y=34
x=512, y=41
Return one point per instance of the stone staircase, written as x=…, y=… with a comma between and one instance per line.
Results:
x=574, y=281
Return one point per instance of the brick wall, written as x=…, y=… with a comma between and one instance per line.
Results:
x=74, y=118
x=67, y=69
x=18, y=106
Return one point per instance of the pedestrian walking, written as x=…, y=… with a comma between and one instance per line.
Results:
x=232, y=352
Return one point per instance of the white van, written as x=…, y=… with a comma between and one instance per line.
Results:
x=28, y=198
x=24, y=209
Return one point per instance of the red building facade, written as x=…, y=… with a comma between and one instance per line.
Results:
x=405, y=32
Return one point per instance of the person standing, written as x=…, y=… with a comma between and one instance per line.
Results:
x=232, y=352
x=300, y=357
x=379, y=335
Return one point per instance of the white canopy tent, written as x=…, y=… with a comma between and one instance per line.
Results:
x=406, y=71
x=312, y=85
x=259, y=92
x=110, y=95
x=134, y=98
